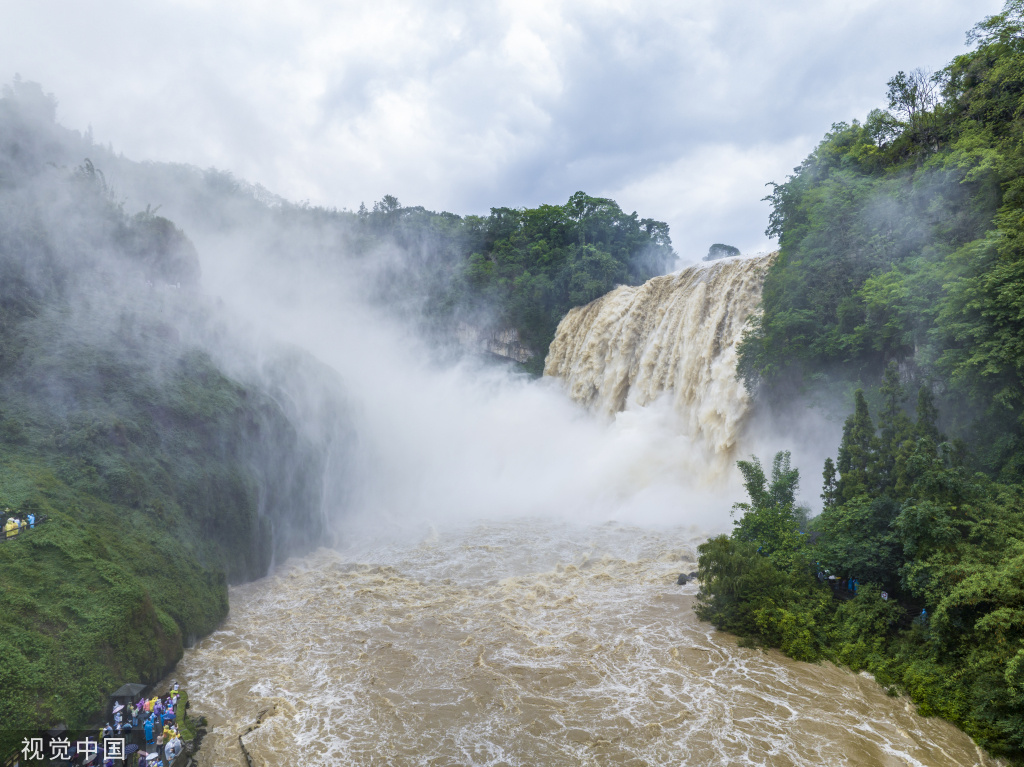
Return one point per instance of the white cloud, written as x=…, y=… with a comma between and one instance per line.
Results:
x=463, y=106
x=717, y=191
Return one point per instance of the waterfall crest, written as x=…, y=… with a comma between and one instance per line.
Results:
x=675, y=335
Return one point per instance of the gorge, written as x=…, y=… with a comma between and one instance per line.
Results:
x=396, y=486
x=515, y=603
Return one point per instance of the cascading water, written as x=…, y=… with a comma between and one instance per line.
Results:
x=508, y=595
x=673, y=336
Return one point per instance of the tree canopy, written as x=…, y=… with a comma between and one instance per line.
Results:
x=902, y=240
x=899, y=288
x=524, y=268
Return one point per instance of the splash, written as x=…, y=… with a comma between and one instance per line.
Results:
x=673, y=336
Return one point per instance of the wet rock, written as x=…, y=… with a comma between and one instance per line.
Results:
x=719, y=250
x=684, y=578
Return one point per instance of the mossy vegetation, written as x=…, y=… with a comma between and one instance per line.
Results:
x=161, y=477
x=187, y=726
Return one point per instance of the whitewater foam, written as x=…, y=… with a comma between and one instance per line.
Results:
x=525, y=643
x=675, y=336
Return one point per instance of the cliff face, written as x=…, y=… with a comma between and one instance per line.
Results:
x=163, y=477
x=501, y=342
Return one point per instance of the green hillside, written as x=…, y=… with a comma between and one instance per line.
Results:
x=898, y=291
x=901, y=240
x=162, y=479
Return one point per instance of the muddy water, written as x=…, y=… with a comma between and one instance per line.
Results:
x=525, y=643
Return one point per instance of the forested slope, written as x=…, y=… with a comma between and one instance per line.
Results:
x=161, y=477
x=900, y=291
x=902, y=238
x=515, y=268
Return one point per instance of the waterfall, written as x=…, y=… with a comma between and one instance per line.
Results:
x=676, y=336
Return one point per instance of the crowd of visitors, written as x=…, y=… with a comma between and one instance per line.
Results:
x=17, y=523
x=849, y=584
x=142, y=734
x=156, y=719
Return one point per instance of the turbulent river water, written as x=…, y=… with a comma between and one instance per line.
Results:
x=524, y=642
x=525, y=629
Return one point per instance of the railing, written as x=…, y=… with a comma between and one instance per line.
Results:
x=22, y=530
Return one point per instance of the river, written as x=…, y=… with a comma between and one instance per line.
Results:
x=525, y=642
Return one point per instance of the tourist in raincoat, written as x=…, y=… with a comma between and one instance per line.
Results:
x=172, y=749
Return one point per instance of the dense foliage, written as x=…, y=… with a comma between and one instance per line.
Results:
x=161, y=477
x=517, y=268
x=536, y=264
x=901, y=271
x=902, y=238
x=903, y=516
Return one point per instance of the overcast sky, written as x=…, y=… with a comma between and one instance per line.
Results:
x=679, y=110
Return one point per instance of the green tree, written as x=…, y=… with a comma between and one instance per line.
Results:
x=830, y=486
x=914, y=96
x=894, y=428
x=720, y=250
x=857, y=540
x=771, y=519
x=927, y=415
x=857, y=452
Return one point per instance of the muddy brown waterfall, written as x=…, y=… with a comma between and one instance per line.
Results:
x=673, y=336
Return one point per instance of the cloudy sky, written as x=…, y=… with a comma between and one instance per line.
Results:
x=679, y=110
